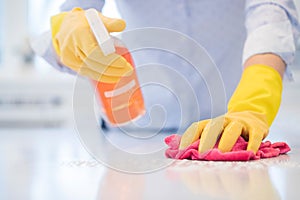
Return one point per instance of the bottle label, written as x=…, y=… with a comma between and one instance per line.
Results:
x=121, y=102
x=120, y=90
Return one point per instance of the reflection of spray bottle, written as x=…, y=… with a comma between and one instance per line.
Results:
x=121, y=102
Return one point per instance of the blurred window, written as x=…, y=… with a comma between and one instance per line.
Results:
x=19, y=20
x=39, y=13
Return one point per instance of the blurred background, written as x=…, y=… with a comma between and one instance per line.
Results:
x=32, y=93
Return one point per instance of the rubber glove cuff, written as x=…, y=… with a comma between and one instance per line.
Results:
x=259, y=90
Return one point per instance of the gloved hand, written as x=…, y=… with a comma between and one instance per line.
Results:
x=77, y=47
x=251, y=111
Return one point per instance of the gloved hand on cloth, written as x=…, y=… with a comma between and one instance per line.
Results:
x=78, y=49
x=251, y=111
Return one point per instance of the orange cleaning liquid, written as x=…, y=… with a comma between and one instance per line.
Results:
x=123, y=101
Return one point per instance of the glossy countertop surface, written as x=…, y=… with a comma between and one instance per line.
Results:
x=56, y=164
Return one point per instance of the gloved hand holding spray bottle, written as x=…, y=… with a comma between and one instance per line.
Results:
x=82, y=42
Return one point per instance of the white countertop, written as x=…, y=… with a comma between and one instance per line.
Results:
x=53, y=164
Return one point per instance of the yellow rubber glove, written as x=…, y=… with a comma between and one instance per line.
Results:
x=251, y=111
x=77, y=47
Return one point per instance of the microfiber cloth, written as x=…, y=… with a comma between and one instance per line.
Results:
x=238, y=152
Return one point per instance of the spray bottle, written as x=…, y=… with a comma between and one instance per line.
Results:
x=120, y=102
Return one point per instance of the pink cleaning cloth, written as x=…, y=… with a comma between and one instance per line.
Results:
x=238, y=152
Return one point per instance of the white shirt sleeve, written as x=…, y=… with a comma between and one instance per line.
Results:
x=43, y=47
x=272, y=27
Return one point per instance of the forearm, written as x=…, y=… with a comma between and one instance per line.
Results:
x=268, y=59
